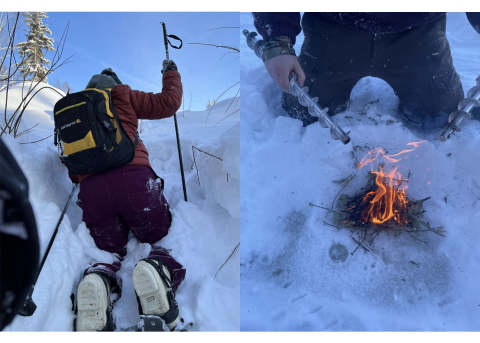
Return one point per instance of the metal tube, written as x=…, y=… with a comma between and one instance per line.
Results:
x=465, y=108
x=304, y=98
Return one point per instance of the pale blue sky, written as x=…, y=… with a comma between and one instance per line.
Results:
x=131, y=43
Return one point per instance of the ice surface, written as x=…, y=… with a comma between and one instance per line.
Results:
x=295, y=274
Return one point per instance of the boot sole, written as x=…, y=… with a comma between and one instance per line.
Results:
x=92, y=304
x=151, y=290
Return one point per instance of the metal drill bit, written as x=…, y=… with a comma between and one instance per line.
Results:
x=304, y=98
x=465, y=108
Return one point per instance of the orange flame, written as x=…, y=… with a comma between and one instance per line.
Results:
x=390, y=199
x=373, y=154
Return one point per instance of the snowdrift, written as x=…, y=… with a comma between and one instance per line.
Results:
x=204, y=231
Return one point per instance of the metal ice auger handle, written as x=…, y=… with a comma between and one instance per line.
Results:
x=306, y=100
x=465, y=108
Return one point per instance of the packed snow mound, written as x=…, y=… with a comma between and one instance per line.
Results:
x=204, y=231
x=289, y=282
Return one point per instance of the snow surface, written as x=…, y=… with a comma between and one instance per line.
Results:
x=204, y=232
x=288, y=281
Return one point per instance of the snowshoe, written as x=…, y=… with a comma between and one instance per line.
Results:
x=93, y=304
x=152, y=280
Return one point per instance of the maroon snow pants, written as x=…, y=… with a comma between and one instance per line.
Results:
x=126, y=199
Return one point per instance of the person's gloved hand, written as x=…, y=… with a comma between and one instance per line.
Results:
x=280, y=60
x=168, y=65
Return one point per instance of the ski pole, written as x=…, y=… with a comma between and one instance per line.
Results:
x=304, y=98
x=29, y=306
x=165, y=40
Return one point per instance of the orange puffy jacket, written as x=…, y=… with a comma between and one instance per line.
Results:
x=132, y=105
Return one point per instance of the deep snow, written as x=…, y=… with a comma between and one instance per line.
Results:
x=288, y=280
x=204, y=231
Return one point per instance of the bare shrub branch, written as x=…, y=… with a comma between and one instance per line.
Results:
x=226, y=27
x=220, y=46
x=227, y=259
x=219, y=99
x=195, y=162
x=226, y=117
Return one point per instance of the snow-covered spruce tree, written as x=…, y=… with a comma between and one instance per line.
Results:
x=34, y=64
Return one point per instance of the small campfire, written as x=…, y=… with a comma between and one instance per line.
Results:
x=383, y=204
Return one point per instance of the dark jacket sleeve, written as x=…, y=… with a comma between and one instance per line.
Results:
x=274, y=24
x=160, y=105
x=474, y=19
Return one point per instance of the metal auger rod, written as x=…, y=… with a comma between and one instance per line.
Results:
x=465, y=108
x=304, y=98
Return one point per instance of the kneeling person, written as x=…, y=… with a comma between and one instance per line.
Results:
x=114, y=200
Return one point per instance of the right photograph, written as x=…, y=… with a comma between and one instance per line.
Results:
x=360, y=182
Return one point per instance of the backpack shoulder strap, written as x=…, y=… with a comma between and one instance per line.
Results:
x=135, y=141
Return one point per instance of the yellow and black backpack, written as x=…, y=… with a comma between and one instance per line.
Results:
x=89, y=134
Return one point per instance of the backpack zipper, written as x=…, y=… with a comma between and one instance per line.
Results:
x=92, y=119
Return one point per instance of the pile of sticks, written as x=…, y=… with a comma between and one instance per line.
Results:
x=349, y=214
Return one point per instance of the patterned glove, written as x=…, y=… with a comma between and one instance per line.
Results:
x=169, y=65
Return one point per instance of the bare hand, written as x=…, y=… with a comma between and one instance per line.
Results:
x=279, y=69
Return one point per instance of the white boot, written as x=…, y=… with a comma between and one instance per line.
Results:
x=92, y=304
x=154, y=291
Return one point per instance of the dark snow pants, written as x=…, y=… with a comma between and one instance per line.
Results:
x=416, y=63
x=123, y=199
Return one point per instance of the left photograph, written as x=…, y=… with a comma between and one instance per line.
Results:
x=120, y=171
